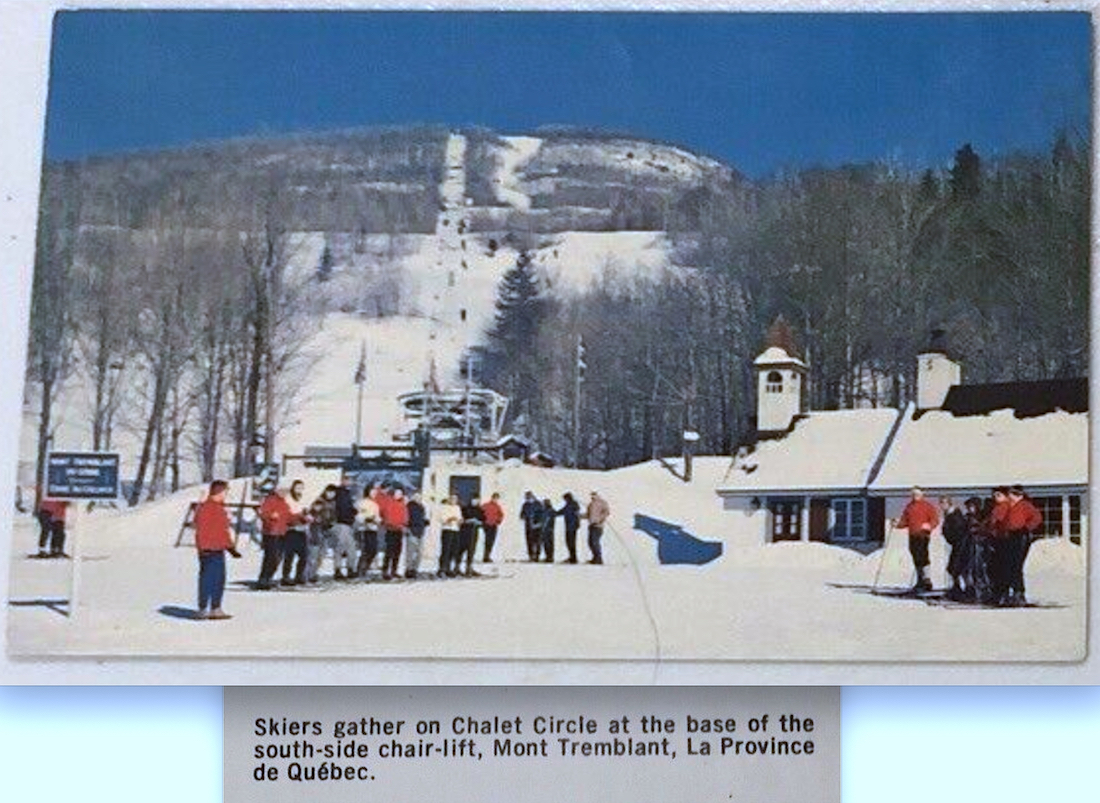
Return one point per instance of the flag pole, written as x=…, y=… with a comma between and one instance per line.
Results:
x=360, y=380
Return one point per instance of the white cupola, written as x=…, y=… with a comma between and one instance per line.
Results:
x=937, y=373
x=779, y=379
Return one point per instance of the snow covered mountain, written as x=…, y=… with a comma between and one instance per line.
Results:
x=415, y=228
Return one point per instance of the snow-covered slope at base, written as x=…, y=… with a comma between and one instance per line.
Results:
x=398, y=352
x=790, y=601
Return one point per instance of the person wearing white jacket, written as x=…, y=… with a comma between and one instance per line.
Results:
x=450, y=520
x=367, y=523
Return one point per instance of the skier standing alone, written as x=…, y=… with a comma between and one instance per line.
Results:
x=920, y=517
x=494, y=516
x=213, y=538
x=51, y=518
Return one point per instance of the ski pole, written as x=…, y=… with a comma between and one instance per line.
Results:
x=882, y=558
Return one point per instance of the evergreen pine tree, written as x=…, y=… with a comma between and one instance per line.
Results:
x=521, y=309
x=966, y=174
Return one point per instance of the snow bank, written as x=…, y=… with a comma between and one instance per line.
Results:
x=1056, y=555
x=800, y=556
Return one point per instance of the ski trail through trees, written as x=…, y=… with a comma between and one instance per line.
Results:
x=450, y=294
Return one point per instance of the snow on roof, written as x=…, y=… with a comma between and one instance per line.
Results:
x=832, y=450
x=939, y=450
x=774, y=355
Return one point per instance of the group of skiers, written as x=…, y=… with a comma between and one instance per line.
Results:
x=539, y=526
x=989, y=542
x=354, y=532
x=297, y=536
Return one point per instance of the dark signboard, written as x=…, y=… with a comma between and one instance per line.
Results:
x=82, y=475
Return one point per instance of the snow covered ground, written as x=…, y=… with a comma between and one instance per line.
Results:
x=516, y=153
x=777, y=602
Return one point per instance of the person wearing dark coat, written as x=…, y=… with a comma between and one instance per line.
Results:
x=571, y=517
x=976, y=517
x=414, y=535
x=998, y=546
x=322, y=516
x=957, y=534
x=531, y=513
x=548, y=517
x=472, y=518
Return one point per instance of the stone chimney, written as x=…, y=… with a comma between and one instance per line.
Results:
x=937, y=373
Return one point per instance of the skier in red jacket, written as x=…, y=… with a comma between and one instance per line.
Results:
x=494, y=516
x=395, y=518
x=920, y=517
x=213, y=538
x=51, y=518
x=275, y=518
x=1022, y=521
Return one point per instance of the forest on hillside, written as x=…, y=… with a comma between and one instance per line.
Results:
x=863, y=261
x=175, y=300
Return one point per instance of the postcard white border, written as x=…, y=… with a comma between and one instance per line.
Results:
x=24, y=59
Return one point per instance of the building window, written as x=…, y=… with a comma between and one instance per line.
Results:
x=786, y=515
x=773, y=383
x=1075, y=519
x=849, y=520
x=1051, y=508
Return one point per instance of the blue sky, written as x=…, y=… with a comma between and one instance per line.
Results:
x=758, y=91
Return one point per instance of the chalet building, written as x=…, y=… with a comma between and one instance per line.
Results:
x=1035, y=434
x=839, y=476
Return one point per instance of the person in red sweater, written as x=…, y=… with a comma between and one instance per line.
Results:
x=920, y=517
x=395, y=518
x=494, y=516
x=998, y=548
x=275, y=519
x=51, y=518
x=213, y=538
x=1021, y=521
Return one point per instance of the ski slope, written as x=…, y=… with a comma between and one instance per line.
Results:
x=516, y=153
